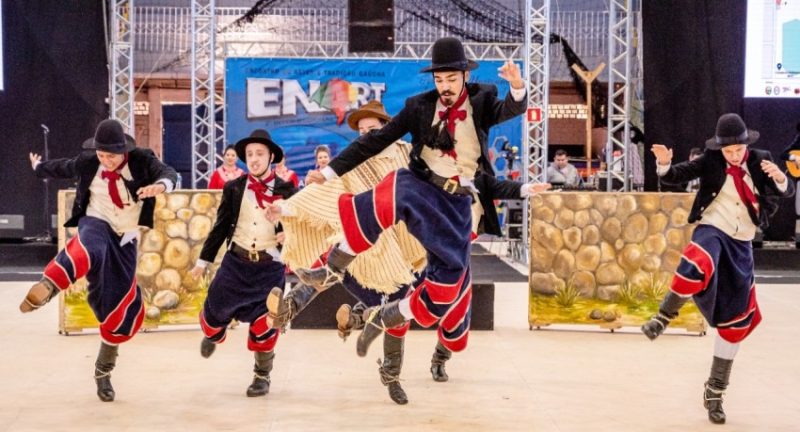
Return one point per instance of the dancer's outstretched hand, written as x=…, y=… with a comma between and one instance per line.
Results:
x=151, y=191
x=510, y=72
x=773, y=171
x=197, y=272
x=273, y=212
x=35, y=159
x=662, y=153
x=535, y=188
x=314, y=176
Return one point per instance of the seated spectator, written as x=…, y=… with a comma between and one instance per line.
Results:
x=561, y=172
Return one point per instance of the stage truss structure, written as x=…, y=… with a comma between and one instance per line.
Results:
x=209, y=50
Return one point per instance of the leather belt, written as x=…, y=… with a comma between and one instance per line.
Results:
x=251, y=255
x=451, y=186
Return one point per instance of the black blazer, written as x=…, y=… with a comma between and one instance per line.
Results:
x=416, y=117
x=490, y=189
x=145, y=169
x=228, y=213
x=710, y=167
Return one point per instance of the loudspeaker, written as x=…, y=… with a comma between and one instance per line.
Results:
x=370, y=25
x=515, y=232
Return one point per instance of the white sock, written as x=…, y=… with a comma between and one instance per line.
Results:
x=724, y=349
x=405, y=308
x=345, y=247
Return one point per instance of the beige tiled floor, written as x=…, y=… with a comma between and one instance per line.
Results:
x=510, y=379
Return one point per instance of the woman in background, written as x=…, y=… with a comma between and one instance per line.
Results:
x=228, y=171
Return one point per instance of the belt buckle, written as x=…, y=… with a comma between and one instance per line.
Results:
x=252, y=255
x=450, y=186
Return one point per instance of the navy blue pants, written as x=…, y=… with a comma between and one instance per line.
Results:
x=442, y=222
x=110, y=270
x=239, y=291
x=717, y=271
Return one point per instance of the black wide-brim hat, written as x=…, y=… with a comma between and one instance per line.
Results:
x=448, y=54
x=259, y=136
x=111, y=138
x=731, y=130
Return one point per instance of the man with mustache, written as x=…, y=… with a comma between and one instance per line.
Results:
x=449, y=127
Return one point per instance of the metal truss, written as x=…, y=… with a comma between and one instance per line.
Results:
x=205, y=131
x=338, y=49
x=122, y=63
x=537, y=71
x=619, y=86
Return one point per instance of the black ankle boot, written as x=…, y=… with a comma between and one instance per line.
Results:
x=282, y=309
x=440, y=356
x=106, y=360
x=261, y=370
x=207, y=347
x=328, y=275
x=667, y=312
x=391, y=367
x=715, y=389
x=377, y=320
x=350, y=318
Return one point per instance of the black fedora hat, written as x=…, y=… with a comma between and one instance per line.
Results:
x=731, y=130
x=448, y=54
x=110, y=137
x=259, y=136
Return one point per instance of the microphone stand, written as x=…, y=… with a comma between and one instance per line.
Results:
x=47, y=236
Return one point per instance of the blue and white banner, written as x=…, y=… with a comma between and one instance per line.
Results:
x=305, y=102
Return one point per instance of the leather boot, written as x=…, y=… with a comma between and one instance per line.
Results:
x=40, y=293
x=106, y=360
x=715, y=388
x=349, y=318
x=667, y=312
x=207, y=347
x=391, y=367
x=261, y=370
x=328, y=275
x=283, y=309
x=440, y=356
x=377, y=320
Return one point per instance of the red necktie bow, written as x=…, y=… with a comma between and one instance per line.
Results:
x=112, y=177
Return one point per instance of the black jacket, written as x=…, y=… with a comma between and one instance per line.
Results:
x=145, y=169
x=416, y=117
x=490, y=189
x=710, y=167
x=228, y=213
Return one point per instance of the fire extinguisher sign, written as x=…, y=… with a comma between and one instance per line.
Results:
x=534, y=115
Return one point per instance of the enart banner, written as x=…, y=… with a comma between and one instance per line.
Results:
x=305, y=102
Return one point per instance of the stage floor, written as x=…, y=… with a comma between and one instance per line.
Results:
x=510, y=379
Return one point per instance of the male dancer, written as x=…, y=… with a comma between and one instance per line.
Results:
x=370, y=117
x=739, y=191
x=252, y=263
x=449, y=127
x=114, y=197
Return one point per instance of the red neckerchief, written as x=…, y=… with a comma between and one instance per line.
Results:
x=745, y=193
x=112, y=177
x=260, y=188
x=450, y=115
x=453, y=113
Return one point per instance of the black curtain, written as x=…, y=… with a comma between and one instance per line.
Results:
x=694, y=53
x=55, y=74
